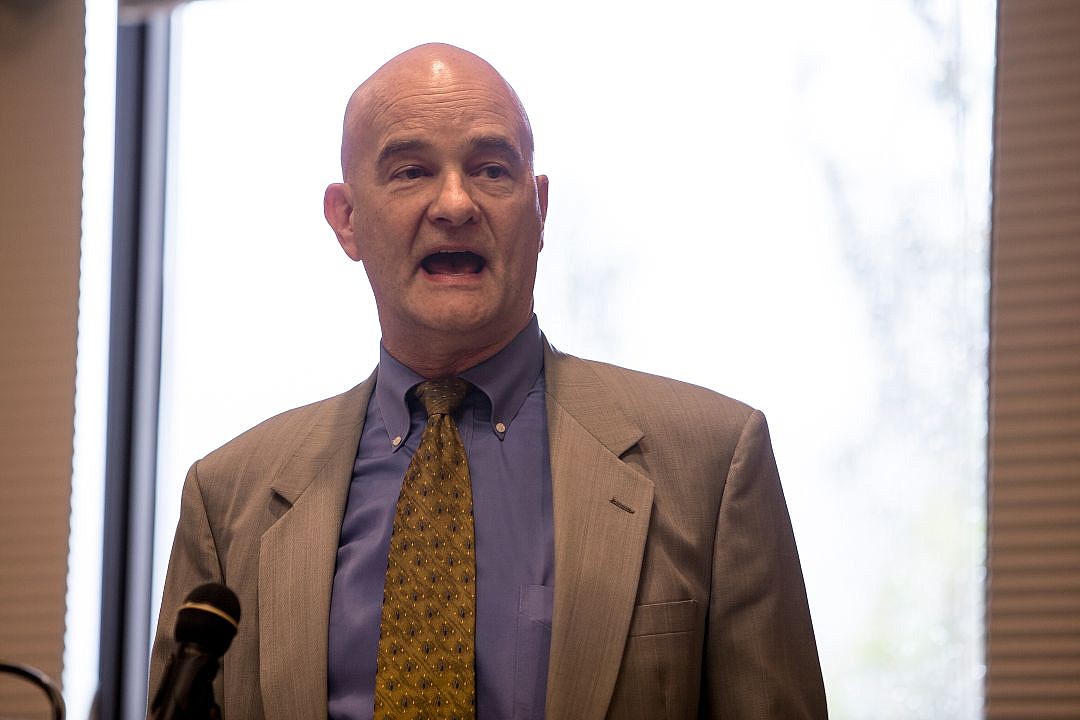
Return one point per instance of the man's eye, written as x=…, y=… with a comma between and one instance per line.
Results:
x=493, y=172
x=409, y=173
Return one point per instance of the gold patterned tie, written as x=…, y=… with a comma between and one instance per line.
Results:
x=426, y=668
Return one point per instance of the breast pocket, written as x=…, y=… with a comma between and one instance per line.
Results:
x=663, y=618
x=533, y=645
x=661, y=667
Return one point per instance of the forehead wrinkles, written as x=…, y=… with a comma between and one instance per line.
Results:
x=459, y=106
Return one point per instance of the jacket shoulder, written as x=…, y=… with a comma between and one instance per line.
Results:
x=654, y=399
x=275, y=440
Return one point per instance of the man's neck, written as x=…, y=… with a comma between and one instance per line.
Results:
x=437, y=360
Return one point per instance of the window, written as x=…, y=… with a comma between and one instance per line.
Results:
x=784, y=202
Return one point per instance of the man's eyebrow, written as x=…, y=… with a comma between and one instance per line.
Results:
x=398, y=147
x=493, y=143
x=498, y=144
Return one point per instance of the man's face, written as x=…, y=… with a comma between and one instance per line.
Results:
x=442, y=206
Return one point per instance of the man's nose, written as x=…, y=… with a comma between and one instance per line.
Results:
x=453, y=205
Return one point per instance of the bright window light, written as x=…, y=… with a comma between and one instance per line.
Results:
x=82, y=623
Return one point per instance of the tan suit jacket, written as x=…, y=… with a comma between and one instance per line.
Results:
x=678, y=591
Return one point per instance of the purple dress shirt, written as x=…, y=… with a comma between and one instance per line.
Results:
x=503, y=424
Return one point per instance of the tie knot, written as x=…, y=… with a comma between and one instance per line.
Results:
x=441, y=397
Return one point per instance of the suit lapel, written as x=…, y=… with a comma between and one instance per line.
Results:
x=296, y=561
x=601, y=511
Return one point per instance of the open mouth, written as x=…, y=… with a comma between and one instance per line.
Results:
x=453, y=263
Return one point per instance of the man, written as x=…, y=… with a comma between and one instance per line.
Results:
x=633, y=553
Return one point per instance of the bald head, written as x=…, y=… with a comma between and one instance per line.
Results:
x=434, y=69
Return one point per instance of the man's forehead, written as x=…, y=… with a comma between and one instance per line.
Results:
x=457, y=96
x=458, y=109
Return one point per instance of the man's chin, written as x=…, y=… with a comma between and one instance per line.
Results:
x=465, y=324
x=460, y=324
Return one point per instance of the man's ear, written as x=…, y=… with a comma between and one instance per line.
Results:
x=542, y=201
x=338, y=209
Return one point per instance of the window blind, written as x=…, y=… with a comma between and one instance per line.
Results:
x=41, y=96
x=1033, y=603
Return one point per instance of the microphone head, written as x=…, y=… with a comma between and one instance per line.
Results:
x=209, y=618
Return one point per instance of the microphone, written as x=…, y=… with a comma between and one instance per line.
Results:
x=205, y=626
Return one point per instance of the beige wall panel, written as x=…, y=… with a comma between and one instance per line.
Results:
x=41, y=89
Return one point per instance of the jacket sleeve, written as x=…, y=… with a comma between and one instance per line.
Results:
x=193, y=562
x=761, y=658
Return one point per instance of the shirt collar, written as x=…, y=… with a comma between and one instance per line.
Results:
x=505, y=378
